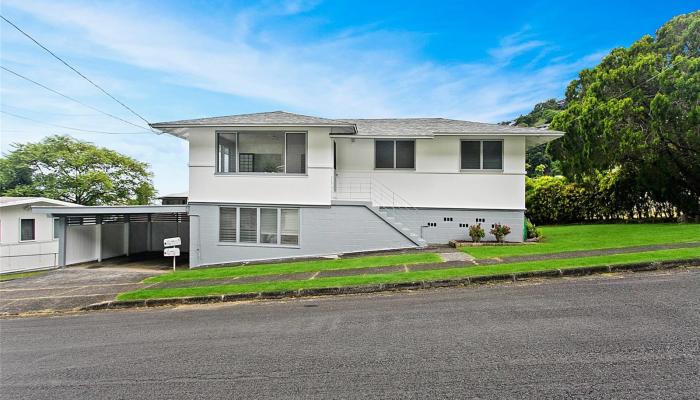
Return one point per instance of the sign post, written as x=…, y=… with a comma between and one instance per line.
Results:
x=170, y=248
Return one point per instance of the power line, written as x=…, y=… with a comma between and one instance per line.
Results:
x=74, y=70
x=71, y=128
x=70, y=98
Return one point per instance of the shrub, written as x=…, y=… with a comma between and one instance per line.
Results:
x=476, y=232
x=500, y=232
x=531, y=229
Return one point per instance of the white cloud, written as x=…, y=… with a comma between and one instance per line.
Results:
x=359, y=72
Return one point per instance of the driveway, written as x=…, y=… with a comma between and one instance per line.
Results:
x=623, y=336
x=69, y=288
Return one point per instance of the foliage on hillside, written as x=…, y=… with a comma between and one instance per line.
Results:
x=638, y=111
x=538, y=160
x=63, y=168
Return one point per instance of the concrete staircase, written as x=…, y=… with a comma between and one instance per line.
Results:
x=398, y=225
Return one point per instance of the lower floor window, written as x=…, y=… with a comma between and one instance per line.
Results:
x=263, y=225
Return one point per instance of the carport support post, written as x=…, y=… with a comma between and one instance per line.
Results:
x=149, y=233
x=98, y=240
x=62, y=235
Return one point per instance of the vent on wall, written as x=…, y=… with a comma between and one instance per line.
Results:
x=464, y=225
x=481, y=220
x=432, y=223
x=447, y=219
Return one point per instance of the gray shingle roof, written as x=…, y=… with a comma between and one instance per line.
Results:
x=364, y=127
x=263, y=118
x=431, y=126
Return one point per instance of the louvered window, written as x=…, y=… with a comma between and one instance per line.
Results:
x=268, y=225
x=227, y=224
x=290, y=226
x=264, y=225
x=249, y=225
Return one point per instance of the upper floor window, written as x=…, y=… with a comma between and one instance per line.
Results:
x=399, y=154
x=26, y=229
x=261, y=152
x=481, y=155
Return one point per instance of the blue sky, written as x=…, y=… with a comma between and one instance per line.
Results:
x=483, y=61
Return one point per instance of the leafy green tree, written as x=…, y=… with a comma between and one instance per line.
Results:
x=639, y=111
x=63, y=168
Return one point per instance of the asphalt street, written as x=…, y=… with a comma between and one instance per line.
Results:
x=629, y=336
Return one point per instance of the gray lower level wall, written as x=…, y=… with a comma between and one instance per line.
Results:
x=445, y=230
x=323, y=231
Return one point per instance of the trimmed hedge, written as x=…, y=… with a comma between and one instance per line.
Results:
x=606, y=197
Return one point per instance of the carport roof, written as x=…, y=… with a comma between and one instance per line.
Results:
x=103, y=210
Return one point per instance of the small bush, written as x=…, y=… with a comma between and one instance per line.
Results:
x=500, y=232
x=532, y=231
x=476, y=232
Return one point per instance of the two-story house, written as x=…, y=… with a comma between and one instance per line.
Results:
x=278, y=185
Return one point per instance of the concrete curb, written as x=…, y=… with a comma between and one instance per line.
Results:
x=393, y=287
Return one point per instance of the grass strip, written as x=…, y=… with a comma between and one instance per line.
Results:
x=429, y=275
x=563, y=238
x=296, y=267
x=19, y=275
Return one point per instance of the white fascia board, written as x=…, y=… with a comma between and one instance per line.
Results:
x=89, y=210
x=383, y=136
x=504, y=134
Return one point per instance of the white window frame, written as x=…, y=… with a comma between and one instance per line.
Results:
x=481, y=155
x=374, y=151
x=238, y=159
x=33, y=229
x=257, y=233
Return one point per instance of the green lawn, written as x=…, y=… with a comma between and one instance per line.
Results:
x=18, y=275
x=295, y=267
x=660, y=255
x=557, y=239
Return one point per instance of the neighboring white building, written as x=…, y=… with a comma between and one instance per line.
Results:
x=276, y=185
x=28, y=241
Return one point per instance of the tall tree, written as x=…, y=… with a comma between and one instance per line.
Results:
x=639, y=110
x=63, y=168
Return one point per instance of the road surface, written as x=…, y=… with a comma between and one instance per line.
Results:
x=630, y=336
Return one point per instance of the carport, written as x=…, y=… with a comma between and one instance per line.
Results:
x=100, y=232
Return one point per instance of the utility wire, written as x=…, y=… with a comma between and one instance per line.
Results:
x=71, y=128
x=70, y=98
x=73, y=69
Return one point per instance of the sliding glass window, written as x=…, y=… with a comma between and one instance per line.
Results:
x=394, y=154
x=226, y=151
x=261, y=152
x=481, y=155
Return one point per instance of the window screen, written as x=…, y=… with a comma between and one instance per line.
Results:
x=56, y=227
x=290, y=226
x=296, y=153
x=405, y=154
x=249, y=225
x=26, y=229
x=226, y=160
x=470, y=154
x=227, y=224
x=268, y=225
x=493, y=154
x=384, y=154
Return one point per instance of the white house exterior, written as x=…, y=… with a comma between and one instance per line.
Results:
x=278, y=185
x=27, y=241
